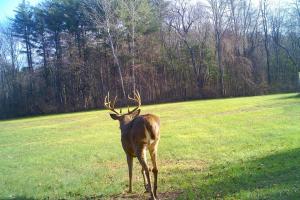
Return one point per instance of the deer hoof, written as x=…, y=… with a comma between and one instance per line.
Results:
x=147, y=188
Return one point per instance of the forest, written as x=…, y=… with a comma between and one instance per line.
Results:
x=65, y=55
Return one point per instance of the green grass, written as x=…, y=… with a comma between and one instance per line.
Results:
x=241, y=148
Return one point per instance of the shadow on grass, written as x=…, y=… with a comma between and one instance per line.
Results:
x=272, y=177
x=275, y=176
x=134, y=196
x=19, y=198
x=296, y=96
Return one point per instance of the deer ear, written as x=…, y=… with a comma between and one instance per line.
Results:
x=114, y=116
x=136, y=113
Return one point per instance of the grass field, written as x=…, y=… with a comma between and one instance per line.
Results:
x=241, y=148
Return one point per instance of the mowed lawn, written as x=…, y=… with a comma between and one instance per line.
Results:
x=240, y=148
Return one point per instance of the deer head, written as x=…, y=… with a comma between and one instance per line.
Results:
x=127, y=117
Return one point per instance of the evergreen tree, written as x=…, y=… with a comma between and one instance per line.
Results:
x=22, y=27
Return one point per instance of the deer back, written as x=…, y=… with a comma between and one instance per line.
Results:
x=143, y=130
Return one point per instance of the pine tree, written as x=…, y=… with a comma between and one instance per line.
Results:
x=22, y=27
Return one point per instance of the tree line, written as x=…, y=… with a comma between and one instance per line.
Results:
x=65, y=55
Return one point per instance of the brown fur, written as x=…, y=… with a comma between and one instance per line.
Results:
x=140, y=133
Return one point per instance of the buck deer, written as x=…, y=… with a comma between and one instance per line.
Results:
x=138, y=133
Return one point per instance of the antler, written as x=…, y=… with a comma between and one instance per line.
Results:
x=110, y=105
x=137, y=99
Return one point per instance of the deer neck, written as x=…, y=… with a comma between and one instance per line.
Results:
x=125, y=127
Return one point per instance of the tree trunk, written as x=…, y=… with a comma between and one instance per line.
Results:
x=116, y=61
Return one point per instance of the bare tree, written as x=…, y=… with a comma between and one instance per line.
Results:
x=183, y=19
x=292, y=30
x=219, y=12
x=264, y=13
x=129, y=9
x=102, y=13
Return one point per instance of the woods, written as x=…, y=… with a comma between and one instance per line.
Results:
x=65, y=55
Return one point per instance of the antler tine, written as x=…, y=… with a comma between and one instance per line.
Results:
x=106, y=103
x=110, y=105
x=137, y=99
x=114, y=102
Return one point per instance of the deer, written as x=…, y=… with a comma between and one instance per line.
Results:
x=139, y=133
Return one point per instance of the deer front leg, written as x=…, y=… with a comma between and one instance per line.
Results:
x=142, y=159
x=130, y=163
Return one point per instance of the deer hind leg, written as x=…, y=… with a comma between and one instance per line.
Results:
x=146, y=185
x=145, y=180
x=153, y=154
x=142, y=159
